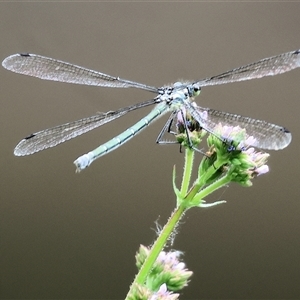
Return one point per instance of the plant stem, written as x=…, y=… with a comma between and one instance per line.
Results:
x=212, y=187
x=157, y=248
x=187, y=170
x=183, y=199
x=203, y=179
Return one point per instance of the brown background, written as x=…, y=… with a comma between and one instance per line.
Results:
x=74, y=236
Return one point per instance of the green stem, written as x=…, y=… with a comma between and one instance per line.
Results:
x=211, y=188
x=187, y=171
x=203, y=178
x=156, y=249
x=168, y=228
x=182, y=206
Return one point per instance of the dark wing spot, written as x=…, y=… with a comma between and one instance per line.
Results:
x=285, y=130
x=29, y=136
x=24, y=54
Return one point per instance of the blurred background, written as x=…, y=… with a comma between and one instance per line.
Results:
x=74, y=236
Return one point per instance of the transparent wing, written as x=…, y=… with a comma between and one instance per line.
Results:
x=266, y=67
x=267, y=135
x=56, y=70
x=56, y=135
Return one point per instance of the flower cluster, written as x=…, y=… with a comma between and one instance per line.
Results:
x=241, y=162
x=185, y=123
x=230, y=158
x=167, y=275
x=141, y=292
